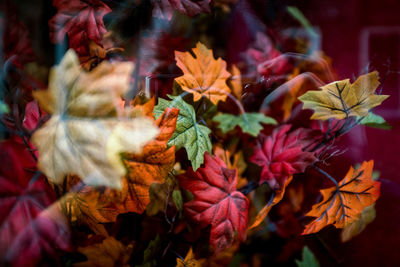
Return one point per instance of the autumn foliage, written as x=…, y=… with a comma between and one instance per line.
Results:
x=121, y=156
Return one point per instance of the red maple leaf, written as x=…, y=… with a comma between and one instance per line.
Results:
x=265, y=58
x=81, y=20
x=216, y=202
x=165, y=8
x=31, y=230
x=281, y=155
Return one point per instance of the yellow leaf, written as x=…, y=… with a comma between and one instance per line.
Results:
x=341, y=99
x=87, y=130
x=189, y=260
x=202, y=74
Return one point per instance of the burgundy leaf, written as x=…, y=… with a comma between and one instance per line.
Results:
x=81, y=20
x=281, y=155
x=216, y=202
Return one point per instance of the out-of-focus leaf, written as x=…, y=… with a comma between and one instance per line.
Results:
x=189, y=261
x=188, y=133
x=177, y=197
x=149, y=256
x=356, y=227
x=344, y=204
x=249, y=122
x=31, y=226
x=87, y=130
x=340, y=99
x=203, y=76
x=110, y=252
x=375, y=121
x=308, y=259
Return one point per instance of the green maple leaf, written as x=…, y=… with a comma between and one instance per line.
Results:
x=249, y=122
x=188, y=133
x=308, y=259
x=375, y=121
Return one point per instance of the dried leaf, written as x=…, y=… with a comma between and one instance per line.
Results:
x=216, y=202
x=188, y=133
x=344, y=204
x=277, y=197
x=340, y=99
x=203, y=76
x=84, y=135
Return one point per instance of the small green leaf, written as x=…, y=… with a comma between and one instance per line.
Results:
x=249, y=122
x=308, y=259
x=3, y=107
x=150, y=253
x=375, y=121
x=188, y=133
x=177, y=197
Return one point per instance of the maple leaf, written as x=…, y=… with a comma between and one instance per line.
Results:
x=356, y=227
x=84, y=135
x=237, y=162
x=265, y=58
x=110, y=252
x=189, y=261
x=202, y=74
x=81, y=20
x=341, y=99
x=275, y=199
x=343, y=204
x=152, y=165
x=165, y=8
x=281, y=155
x=249, y=122
x=216, y=202
x=29, y=224
x=188, y=133
x=93, y=208
x=308, y=259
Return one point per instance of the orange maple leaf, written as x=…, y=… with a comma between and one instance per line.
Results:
x=92, y=207
x=151, y=166
x=344, y=203
x=202, y=74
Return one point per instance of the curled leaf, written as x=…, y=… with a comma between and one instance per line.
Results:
x=277, y=197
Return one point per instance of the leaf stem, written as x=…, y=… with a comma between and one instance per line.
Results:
x=327, y=175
